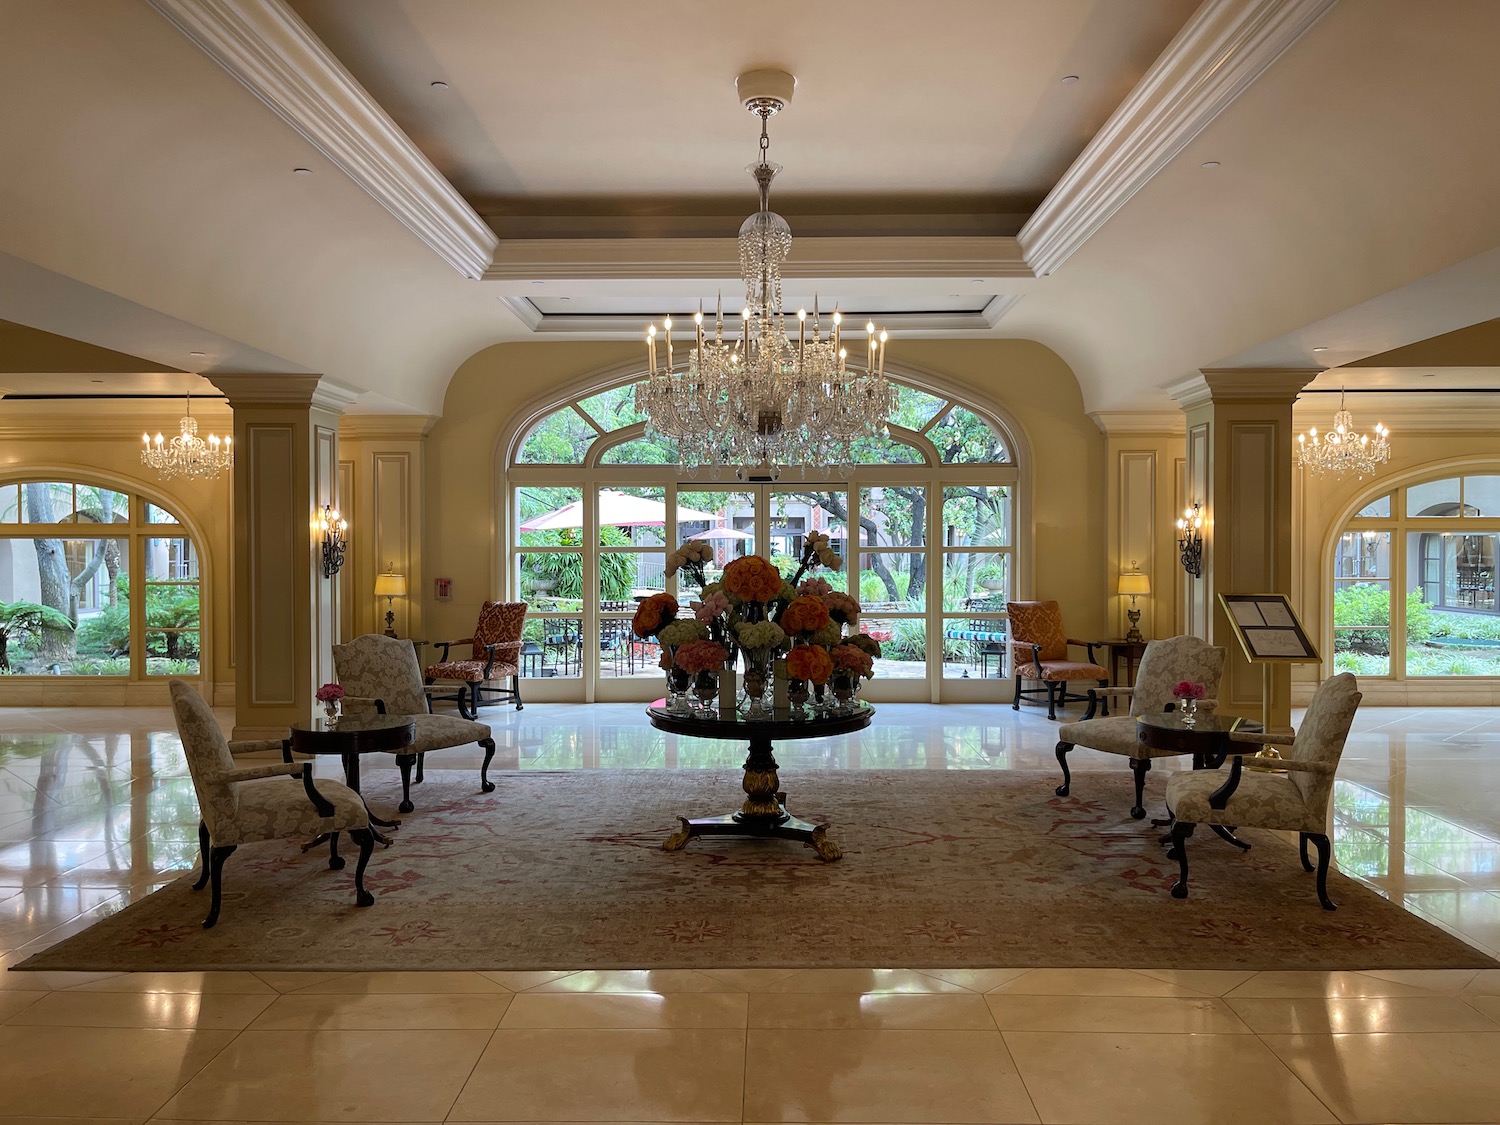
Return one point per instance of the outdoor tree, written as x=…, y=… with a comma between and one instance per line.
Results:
x=23, y=621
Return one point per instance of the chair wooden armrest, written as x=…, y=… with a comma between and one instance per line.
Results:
x=1292, y=764
x=1279, y=737
x=363, y=705
x=1089, y=645
x=270, y=769
x=1112, y=692
x=446, y=645
x=254, y=745
x=1219, y=799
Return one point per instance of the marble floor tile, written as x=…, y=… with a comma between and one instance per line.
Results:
x=374, y=1011
x=1327, y=1016
x=1180, y=1015
x=643, y=1010
x=209, y=1011
x=873, y=1011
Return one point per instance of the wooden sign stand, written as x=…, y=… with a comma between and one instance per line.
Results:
x=1269, y=633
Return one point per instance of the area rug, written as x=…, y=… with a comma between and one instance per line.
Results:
x=940, y=869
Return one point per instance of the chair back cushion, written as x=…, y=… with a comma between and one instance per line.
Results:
x=375, y=666
x=208, y=759
x=499, y=623
x=1166, y=663
x=1325, y=727
x=1038, y=623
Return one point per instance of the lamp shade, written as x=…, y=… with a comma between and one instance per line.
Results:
x=1134, y=584
x=390, y=585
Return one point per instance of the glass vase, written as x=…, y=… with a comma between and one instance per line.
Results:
x=706, y=687
x=796, y=697
x=1188, y=709
x=757, y=680
x=677, y=683
x=332, y=709
x=844, y=686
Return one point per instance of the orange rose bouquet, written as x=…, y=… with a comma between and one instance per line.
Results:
x=809, y=662
x=752, y=579
x=804, y=615
x=653, y=614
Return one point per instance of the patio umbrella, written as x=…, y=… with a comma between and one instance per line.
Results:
x=616, y=509
x=721, y=533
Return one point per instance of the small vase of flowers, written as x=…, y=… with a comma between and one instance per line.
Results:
x=331, y=697
x=1187, y=693
x=703, y=660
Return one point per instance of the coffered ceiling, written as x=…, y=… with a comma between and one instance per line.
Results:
x=1237, y=180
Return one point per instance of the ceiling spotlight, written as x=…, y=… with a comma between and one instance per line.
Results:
x=1210, y=164
x=197, y=355
x=440, y=85
x=303, y=171
x=1320, y=349
x=1069, y=79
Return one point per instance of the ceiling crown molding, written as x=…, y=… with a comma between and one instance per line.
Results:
x=1225, y=47
x=265, y=45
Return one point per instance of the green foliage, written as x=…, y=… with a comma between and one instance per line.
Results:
x=1362, y=619
x=1466, y=626
x=565, y=568
x=172, y=620
x=908, y=640
x=22, y=622
x=871, y=588
x=107, y=666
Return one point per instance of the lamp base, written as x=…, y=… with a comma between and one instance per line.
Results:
x=390, y=621
x=1134, y=636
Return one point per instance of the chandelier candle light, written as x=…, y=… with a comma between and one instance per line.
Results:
x=759, y=399
x=187, y=455
x=1343, y=449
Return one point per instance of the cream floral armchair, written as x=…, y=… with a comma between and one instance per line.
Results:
x=1165, y=664
x=380, y=673
x=1294, y=798
x=236, y=812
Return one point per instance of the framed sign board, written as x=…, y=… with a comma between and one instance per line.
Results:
x=1268, y=629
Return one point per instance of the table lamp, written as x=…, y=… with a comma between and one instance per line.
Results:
x=389, y=587
x=1134, y=584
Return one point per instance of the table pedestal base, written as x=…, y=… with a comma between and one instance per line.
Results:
x=763, y=813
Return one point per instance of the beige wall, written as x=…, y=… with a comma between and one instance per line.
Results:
x=100, y=442
x=1029, y=382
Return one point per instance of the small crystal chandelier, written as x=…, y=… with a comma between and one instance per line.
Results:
x=187, y=455
x=758, y=398
x=1343, y=449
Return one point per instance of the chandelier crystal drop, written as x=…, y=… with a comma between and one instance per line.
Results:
x=187, y=455
x=752, y=396
x=1343, y=449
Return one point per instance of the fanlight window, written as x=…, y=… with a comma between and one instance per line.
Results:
x=566, y=436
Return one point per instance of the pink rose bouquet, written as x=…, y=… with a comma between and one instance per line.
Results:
x=815, y=587
x=852, y=659
x=329, y=693
x=702, y=656
x=1188, y=689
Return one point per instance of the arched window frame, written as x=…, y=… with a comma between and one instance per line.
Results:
x=590, y=474
x=137, y=532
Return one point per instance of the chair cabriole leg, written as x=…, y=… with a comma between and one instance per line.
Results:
x=1140, y=767
x=1015, y=704
x=1062, y=760
x=203, y=851
x=216, y=882
x=1302, y=849
x=421, y=775
x=1325, y=851
x=1180, y=834
x=485, y=784
x=515, y=687
x=366, y=841
x=404, y=762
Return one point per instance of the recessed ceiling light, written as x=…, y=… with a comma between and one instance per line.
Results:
x=197, y=355
x=1069, y=79
x=1210, y=164
x=539, y=283
x=977, y=281
x=1320, y=349
x=303, y=171
x=565, y=298
x=440, y=85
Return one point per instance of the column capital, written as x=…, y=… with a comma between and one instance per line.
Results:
x=256, y=388
x=1279, y=385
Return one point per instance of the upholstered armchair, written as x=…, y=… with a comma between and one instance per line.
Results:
x=494, y=654
x=1165, y=664
x=1039, y=651
x=237, y=807
x=1290, y=795
x=380, y=673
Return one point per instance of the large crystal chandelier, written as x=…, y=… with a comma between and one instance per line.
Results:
x=1343, y=449
x=187, y=455
x=755, y=397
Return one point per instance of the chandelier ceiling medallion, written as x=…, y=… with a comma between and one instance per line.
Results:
x=187, y=455
x=1343, y=449
x=760, y=398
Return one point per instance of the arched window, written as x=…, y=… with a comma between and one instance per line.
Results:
x=95, y=582
x=926, y=524
x=1436, y=541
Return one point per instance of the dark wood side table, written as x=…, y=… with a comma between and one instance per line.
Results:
x=764, y=811
x=351, y=736
x=1130, y=652
x=1206, y=739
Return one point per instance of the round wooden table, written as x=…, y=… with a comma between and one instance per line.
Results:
x=764, y=811
x=351, y=736
x=1206, y=739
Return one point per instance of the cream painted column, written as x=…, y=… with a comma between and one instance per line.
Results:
x=1239, y=466
x=1143, y=454
x=385, y=458
x=286, y=613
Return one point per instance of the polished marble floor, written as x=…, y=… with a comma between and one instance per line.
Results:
x=96, y=810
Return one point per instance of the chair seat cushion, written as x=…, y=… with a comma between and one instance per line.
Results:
x=437, y=732
x=1113, y=735
x=1263, y=800
x=1072, y=670
x=275, y=808
x=470, y=671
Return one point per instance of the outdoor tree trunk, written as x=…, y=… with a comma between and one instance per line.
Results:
x=54, y=645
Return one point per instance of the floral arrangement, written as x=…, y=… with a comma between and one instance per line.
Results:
x=758, y=635
x=1188, y=689
x=809, y=662
x=752, y=579
x=852, y=659
x=804, y=616
x=692, y=557
x=701, y=656
x=653, y=614
x=682, y=632
x=865, y=643
x=329, y=693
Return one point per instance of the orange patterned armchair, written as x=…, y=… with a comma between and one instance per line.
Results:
x=1039, y=651
x=495, y=655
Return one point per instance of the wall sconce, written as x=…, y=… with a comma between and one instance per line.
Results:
x=389, y=586
x=1190, y=540
x=1133, y=583
x=334, y=529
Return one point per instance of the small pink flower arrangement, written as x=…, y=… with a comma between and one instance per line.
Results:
x=702, y=656
x=1188, y=689
x=849, y=658
x=330, y=693
x=815, y=587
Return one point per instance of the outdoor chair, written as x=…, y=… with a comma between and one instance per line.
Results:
x=380, y=673
x=495, y=654
x=1165, y=664
x=1039, y=651
x=236, y=807
x=1291, y=794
